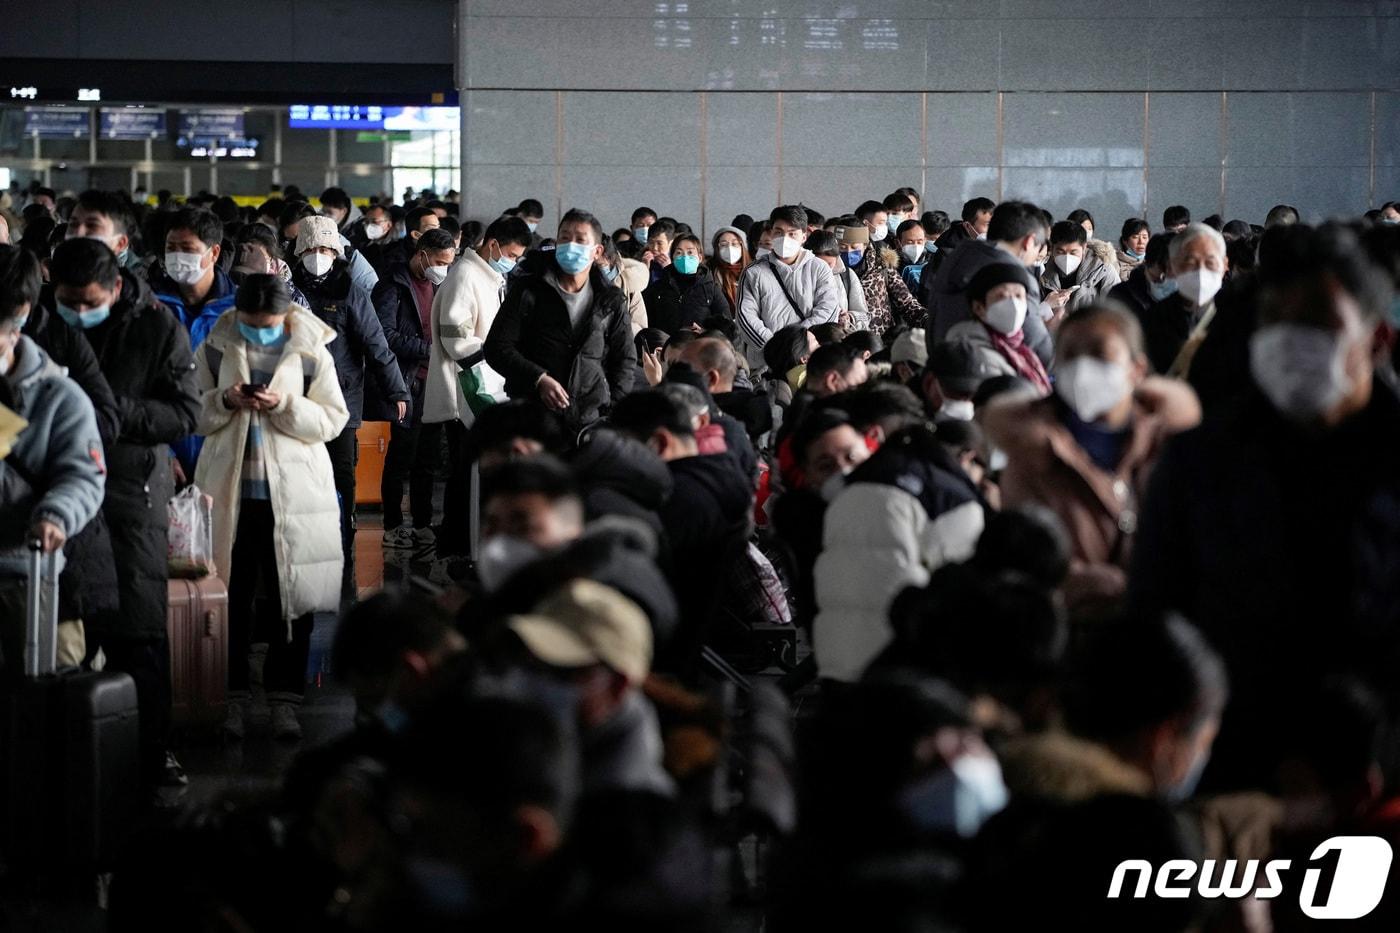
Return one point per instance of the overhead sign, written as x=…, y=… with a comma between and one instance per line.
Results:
x=56, y=122
x=236, y=148
x=211, y=124
x=422, y=118
x=335, y=117
x=131, y=123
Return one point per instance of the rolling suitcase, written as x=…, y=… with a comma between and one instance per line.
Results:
x=71, y=747
x=198, y=628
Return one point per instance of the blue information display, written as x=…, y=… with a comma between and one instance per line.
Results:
x=56, y=122
x=232, y=148
x=336, y=117
x=206, y=125
x=124, y=123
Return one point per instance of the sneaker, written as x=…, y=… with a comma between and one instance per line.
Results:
x=423, y=537
x=400, y=537
x=173, y=774
x=285, y=724
x=234, y=726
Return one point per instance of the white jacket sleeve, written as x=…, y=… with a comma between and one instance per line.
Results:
x=749, y=318
x=319, y=415
x=952, y=537
x=455, y=310
x=826, y=306
x=213, y=416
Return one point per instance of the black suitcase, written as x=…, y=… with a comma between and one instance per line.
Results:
x=72, y=749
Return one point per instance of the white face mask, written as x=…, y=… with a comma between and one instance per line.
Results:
x=912, y=251
x=1301, y=370
x=957, y=799
x=318, y=264
x=185, y=268
x=374, y=231
x=957, y=409
x=1091, y=387
x=878, y=234
x=1067, y=263
x=1007, y=315
x=786, y=247
x=730, y=254
x=1199, y=285
x=436, y=274
x=501, y=557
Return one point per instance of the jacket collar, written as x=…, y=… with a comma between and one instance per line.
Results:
x=474, y=260
x=305, y=332
x=169, y=292
x=1105, y=486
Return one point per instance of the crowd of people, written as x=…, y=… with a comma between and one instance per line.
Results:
x=1096, y=546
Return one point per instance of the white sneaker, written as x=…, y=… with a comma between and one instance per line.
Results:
x=422, y=537
x=285, y=724
x=400, y=537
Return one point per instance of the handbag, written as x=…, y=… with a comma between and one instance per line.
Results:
x=473, y=385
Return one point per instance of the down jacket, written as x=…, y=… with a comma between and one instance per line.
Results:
x=887, y=298
x=1097, y=273
x=764, y=307
x=633, y=279
x=304, y=505
x=464, y=309
x=906, y=511
x=675, y=301
x=850, y=296
x=944, y=294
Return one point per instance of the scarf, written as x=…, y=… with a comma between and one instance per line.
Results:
x=1021, y=357
x=727, y=275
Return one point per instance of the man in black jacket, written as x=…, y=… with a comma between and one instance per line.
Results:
x=322, y=275
x=403, y=299
x=145, y=354
x=563, y=335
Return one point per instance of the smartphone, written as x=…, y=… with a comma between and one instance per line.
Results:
x=249, y=389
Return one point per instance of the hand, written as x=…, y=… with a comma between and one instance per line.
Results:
x=49, y=535
x=178, y=472
x=652, y=367
x=266, y=399
x=663, y=260
x=1058, y=298
x=552, y=393
x=402, y=409
x=235, y=399
x=844, y=319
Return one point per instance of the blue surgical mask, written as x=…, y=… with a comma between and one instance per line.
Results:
x=83, y=319
x=640, y=234
x=261, y=336
x=610, y=273
x=573, y=258
x=504, y=265
x=1131, y=254
x=892, y=221
x=687, y=265
x=852, y=259
x=1162, y=290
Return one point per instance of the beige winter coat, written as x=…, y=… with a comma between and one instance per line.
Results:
x=304, y=506
x=633, y=279
x=463, y=310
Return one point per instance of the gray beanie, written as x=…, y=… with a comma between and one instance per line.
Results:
x=743, y=237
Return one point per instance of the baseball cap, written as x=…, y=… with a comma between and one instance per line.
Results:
x=318, y=231
x=909, y=347
x=585, y=623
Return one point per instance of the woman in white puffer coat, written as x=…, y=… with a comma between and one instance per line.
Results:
x=270, y=401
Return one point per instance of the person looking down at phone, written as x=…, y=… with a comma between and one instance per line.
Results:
x=1077, y=274
x=270, y=401
x=999, y=299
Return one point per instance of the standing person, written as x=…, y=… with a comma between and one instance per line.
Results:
x=1132, y=246
x=1150, y=281
x=997, y=297
x=686, y=293
x=914, y=253
x=619, y=268
x=729, y=257
x=840, y=249
x=372, y=232
x=1075, y=267
x=790, y=286
x=1177, y=325
x=271, y=401
x=404, y=302
x=322, y=276
x=145, y=356
x=189, y=280
x=563, y=335
x=887, y=298
x=103, y=216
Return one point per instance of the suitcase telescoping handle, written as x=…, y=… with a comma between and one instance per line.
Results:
x=41, y=619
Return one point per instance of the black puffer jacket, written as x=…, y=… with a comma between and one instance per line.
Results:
x=397, y=309
x=145, y=354
x=621, y=476
x=532, y=336
x=675, y=301
x=89, y=582
x=359, y=344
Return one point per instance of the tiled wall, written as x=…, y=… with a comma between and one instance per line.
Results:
x=705, y=108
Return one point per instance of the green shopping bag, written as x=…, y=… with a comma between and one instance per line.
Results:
x=474, y=389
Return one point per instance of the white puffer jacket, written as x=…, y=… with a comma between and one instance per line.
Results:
x=304, y=505
x=463, y=309
x=764, y=305
x=900, y=519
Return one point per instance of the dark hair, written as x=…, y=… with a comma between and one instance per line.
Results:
x=828, y=333
x=452, y=225
x=814, y=218
x=434, y=239
x=816, y=423
x=642, y=212
x=1215, y=222
x=529, y=208
x=906, y=226
x=649, y=340
x=20, y=280
x=642, y=414
x=576, y=216
x=680, y=338
x=977, y=206
x=79, y=262
x=1137, y=674
x=107, y=204
x=1132, y=227
x=1283, y=214
x=1236, y=229
x=742, y=221
x=508, y=231
x=1079, y=215
x=202, y=223
x=226, y=209
x=629, y=248
x=691, y=239
x=831, y=358
x=823, y=243
x=898, y=203
x=335, y=197
x=718, y=325
x=666, y=228
x=881, y=403
x=263, y=293
x=869, y=209
x=793, y=214
x=261, y=235
x=785, y=348
x=374, y=633
x=1175, y=215
x=935, y=223
x=543, y=475
x=1067, y=232
x=756, y=231
x=498, y=425
x=414, y=218
x=1016, y=220
x=1029, y=539
x=1158, y=249
x=864, y=341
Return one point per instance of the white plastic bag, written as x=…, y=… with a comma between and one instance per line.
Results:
x=191, y=534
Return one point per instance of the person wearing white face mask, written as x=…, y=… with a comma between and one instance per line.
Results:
x=791, y=286
x=1080, y=271
x=997, y=298
x=888, y=300
x=1086, y=452
x=1176, y=326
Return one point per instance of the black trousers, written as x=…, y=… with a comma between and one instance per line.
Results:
x=409, y=457
x=345, y=456
x=147, y=661
x=255, y=604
